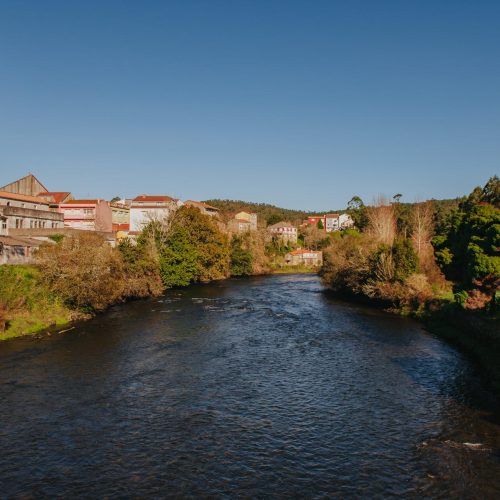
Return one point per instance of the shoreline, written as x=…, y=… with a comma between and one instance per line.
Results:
x=63, y=326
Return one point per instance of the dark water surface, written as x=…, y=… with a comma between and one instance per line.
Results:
x=256, y=388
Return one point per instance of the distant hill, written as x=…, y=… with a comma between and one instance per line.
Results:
x=265, y=212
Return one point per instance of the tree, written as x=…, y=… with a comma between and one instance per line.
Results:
x=274, y=219
x=241, y=258
x=382, y=221
x=115, y=199
x=357, y=210
x=83, y=270
x=320, y=224
x=190, y=247
x=397, y=197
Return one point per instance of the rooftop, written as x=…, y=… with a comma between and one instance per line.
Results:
x=23, y=197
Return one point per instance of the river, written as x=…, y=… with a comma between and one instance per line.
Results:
x=261, y=387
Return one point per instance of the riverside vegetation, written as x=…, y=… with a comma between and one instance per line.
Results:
x=437, y=260
x=76, y=276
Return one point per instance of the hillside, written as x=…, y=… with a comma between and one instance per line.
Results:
x=265, y=212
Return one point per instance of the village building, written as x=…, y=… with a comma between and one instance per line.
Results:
x=330, y=222
x=28, y=185
x=284, y=232
x=17, y=250
x=146, y=208
x=55, y=198
x=249, y=217
x=203, y=207
x=120, y=217
x=26, y=211
x=88, y=215
x=238, y=226
x=302, y=257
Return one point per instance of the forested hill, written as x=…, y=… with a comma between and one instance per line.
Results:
x=265, y=212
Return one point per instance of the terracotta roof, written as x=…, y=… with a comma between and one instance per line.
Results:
x=22, y=197
x=302, y=251
x=20, y=242
x=146, y=197
x=336, y=216
x=281, y=224
x=57, y=196
x=81, y=202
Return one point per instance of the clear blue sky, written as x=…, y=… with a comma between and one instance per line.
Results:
x=298, y=103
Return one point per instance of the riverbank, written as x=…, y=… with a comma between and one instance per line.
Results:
x=475, y=334
x=31, y=309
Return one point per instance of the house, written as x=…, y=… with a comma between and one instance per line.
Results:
x=331, y=222
x=203, y=207
x=89, y=215
x=239, y=225
x=17, y=250
x=249, y=217
x=120, y=217
x=55, y=198
x=284, y=231
x=28, y=185
x=146, y=208
x=310, y=258
x=26, y=211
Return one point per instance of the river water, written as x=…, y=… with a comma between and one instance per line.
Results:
x=262, y=387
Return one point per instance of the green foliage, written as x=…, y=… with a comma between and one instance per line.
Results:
x=264, y=211
x=357, y=210
x=273, y=219
x=320, y=224
x=192, y=249
x=141, y=268
x=241, y=258
x=405, y=259
x=468, y=249
x=56, y=237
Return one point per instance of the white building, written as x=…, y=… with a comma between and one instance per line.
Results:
x=145, y=208
x=21, y=211
x=284, y=231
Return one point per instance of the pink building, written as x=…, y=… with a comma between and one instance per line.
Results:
x=90, y=215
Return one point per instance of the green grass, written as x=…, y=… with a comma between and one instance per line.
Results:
x=26, y=305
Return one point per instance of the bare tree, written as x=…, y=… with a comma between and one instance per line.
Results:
x=421, y=224
x=382, y=221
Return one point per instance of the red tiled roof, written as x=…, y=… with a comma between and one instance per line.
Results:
x=145, y=197
x=22, y=197
x=336, y=216
x=302, y=251
x=81, y=202
x=57, y=196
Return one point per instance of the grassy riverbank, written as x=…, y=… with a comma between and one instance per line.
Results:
x=27, y=305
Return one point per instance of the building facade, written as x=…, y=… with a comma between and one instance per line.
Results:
x=301, y=257
x=25, y=211
x=120, y=217
x=331, y=222
x=28, y=185
x=251, y=218
x=284, y=231
x=89, y=215
x=146, y=208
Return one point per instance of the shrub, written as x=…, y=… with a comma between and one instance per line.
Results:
x=83, y=270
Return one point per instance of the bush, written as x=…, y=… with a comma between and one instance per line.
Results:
x=83, y=270
x=241, y=258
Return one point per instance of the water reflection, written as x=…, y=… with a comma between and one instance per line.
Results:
x=260, y=387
